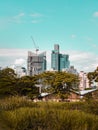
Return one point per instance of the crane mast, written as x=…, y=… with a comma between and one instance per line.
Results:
x=36, y=48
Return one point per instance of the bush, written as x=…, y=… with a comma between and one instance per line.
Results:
x=12, y=103
x=51, y=119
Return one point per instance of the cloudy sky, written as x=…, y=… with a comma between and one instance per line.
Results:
x=73, y=24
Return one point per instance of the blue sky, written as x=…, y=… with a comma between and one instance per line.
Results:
x=73, y=24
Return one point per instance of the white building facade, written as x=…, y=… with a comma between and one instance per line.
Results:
x=84, y=81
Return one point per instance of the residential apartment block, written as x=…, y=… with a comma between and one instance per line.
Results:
x=84, y=81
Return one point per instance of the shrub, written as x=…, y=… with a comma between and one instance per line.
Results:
x=12, y=103
x=19, y=113
x=50, y=119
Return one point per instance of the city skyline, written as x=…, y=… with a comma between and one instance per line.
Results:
x=71, y=24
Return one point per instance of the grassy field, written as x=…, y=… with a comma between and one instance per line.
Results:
x=18, y=113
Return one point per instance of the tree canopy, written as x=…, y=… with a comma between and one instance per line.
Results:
x=26, y=85
x=7, y=81
x=59, y=81
x=93, y=76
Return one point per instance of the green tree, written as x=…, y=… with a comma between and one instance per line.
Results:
x=26, y=86
x=93, y=76
x=47, y=79
x=65, y=81
x=7, y=82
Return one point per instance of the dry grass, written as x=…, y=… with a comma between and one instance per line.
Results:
x=20, y=114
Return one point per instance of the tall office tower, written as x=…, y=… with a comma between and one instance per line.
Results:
x=36, y=63
x=64, y=61
x=59, y=61
x=55, y=63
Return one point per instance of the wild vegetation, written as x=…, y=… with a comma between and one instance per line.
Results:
x=93, y=76
x=19, y=112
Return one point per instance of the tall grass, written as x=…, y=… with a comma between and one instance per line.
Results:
x=12, y=103
x=18, y=113
x=51, y=119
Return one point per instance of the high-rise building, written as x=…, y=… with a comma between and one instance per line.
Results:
x=55, y=63
x=59, y=61
x=64, y=61
x=36, y=63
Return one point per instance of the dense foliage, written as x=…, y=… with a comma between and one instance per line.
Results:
x=10, y=84
x=93, y=76
x=7, y=82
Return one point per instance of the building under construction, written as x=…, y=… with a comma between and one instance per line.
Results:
x=36, y=63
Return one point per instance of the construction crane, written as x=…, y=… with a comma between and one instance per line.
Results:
x=36, y=48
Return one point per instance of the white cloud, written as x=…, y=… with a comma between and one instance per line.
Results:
x=5, y=21
x=85, y=61
x=9, y=57
x=95, y=14
x=36, y=15
x=89, y=38
x=73, y=36
x=19, y=16
x=13, y=52
x=20, y=61
x=35, y=21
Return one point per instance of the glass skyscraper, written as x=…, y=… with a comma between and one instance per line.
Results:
x=36, y=63
x=55, y=58
x=59, y=61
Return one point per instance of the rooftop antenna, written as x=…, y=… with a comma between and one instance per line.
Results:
x=36, y=48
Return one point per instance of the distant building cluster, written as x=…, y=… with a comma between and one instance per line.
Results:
x=37, y=63
x=71, y=70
